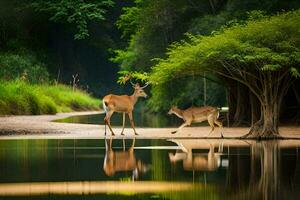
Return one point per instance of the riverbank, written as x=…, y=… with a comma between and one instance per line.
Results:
x=42, y=126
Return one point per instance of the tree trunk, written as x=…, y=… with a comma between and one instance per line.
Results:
x=237, y=100
x=270, y=98
x=267, y=126
x=242, y=113
x=231, y=101
x=238, y=115
x=255, y=108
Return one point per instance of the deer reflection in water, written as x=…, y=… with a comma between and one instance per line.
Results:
x=210, y=161
x=122, y=160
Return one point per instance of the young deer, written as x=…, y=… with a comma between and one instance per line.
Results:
x=197, y=114
x=195, y=161
x=122, y=104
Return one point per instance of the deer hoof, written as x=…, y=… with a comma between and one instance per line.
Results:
x=122, y=133
x=173, y=132
x=136, y=134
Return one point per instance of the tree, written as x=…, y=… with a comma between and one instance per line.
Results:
x=262, y=54
x=75, y=12
x=150, y=26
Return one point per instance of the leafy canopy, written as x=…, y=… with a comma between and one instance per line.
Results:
x=74, y=12
x=266, y=44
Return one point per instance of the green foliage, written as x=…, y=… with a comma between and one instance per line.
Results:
x=185, y=92
x=75, y=12
x=127, y=57
x=128, y=21
x=268, y=44
x=125, y=75
x=150, y=26
x=15, y=66
x=257, y=41
x=18, y=97
x=207, y=24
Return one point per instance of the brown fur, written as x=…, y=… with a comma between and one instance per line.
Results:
x=197, y=114
x=122, y=104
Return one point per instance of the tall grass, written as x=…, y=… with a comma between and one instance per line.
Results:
x=19, y=97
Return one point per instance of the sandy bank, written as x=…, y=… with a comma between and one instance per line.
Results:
x=41, y=126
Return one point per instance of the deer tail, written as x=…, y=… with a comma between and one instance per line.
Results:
x=218, y=112
x=104, y=104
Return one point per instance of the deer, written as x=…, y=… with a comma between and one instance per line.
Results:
x=210, y=161
x=197, y=114
x=122, y=104
x=122, y=160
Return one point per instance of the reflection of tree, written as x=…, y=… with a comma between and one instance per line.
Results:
x=265, y=175
x=270, y=165
x=264, y=171
x=124, y=160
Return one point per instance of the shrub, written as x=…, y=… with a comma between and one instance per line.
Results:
x=19, y=97
x=22, y=66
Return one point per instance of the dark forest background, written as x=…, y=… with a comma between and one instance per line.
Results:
x=29, y=35
x=52, y=41
x=141, y=30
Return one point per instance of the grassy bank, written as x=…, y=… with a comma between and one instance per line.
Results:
x=18, y=97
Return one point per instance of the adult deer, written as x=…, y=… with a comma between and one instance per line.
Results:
x=122, y=161
x=122, y=104
x=197, y=114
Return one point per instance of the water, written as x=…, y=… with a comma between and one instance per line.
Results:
x=149, y=169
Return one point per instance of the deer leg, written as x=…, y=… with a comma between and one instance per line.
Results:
x=133, y=143
x=211, y=123
x=132, y=122
x=124, y=144
x=108, y=145
x=107, y=121
x=186, y=123
x=105, y=124
x=123, y=123
x=220, y=125
x=220, y=149
x=131, y=149
x=104, y=127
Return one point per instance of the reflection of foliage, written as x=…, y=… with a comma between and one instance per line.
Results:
x=75, y=12
x=159, y=163
x=208, y=192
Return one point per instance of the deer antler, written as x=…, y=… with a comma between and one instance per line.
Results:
x=133, y=84
x=147, y=83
